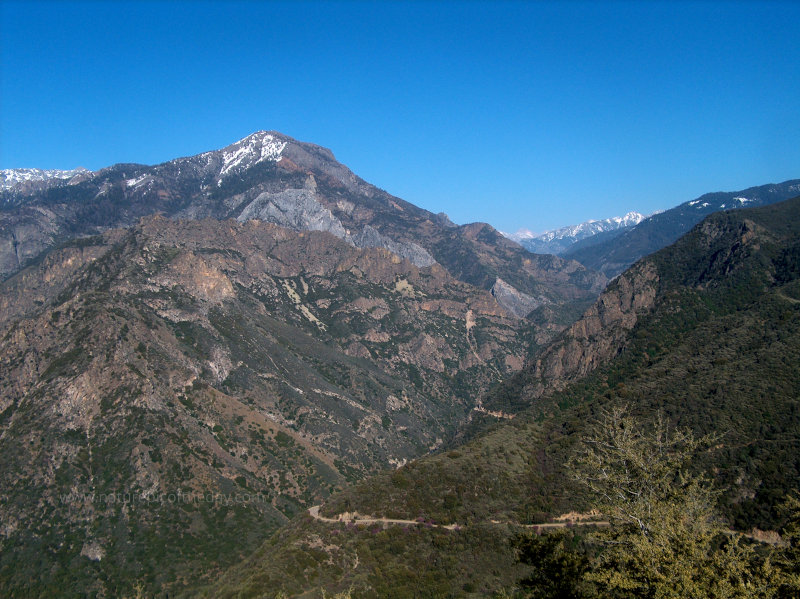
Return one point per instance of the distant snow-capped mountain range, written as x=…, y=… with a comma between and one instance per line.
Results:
x=559, y=240
x=15, y=178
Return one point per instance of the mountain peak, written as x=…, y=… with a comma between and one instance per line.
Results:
x=558, y=240
x=247, y=152
x=263, y=136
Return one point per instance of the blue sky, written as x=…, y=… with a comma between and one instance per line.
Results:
x=520, y=114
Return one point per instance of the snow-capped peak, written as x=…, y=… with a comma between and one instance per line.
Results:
x=629, y=220
x=14, y=178
x=251, y=150
x=585, y=229
x=558, y=240
x=520, y=235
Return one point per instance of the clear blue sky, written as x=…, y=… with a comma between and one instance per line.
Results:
x=531, y=114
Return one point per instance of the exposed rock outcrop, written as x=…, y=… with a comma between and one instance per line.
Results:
x=296, y=209
x=414, y=253
x=208, y=357
x=599, y=335
x=518, y=303
x=24, y=235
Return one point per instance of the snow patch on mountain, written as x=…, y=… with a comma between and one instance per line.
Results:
x=137, y=180
x=251, y=150
x=700, y=204
x=593, y=227
x=521, y=234
x=261, y=146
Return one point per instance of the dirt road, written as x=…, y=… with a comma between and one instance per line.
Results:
x=356, y=518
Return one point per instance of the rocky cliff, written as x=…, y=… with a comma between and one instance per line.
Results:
x=598, y=336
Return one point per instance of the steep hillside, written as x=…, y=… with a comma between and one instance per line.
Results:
x=707, y=331
x=274, y=178
x=613, y=255
x=173, y=392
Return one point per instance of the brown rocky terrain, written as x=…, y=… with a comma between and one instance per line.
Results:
x=215, y=359
x=194, y=352
x=598, y=336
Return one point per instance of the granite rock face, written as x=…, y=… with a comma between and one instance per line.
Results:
x=25, y=233
x=518, y=303
x=295, y=209
x=414, y=253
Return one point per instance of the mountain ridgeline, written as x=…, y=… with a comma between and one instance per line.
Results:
x=613, y=244
x=613, y=252
x=564, y=239
x=271, y=177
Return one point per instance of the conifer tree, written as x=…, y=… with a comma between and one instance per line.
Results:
x=665, y=540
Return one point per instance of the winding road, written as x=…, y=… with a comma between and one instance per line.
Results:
x=356, y=518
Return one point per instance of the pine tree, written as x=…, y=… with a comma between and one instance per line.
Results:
x=788, y=559
x=665, y=541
